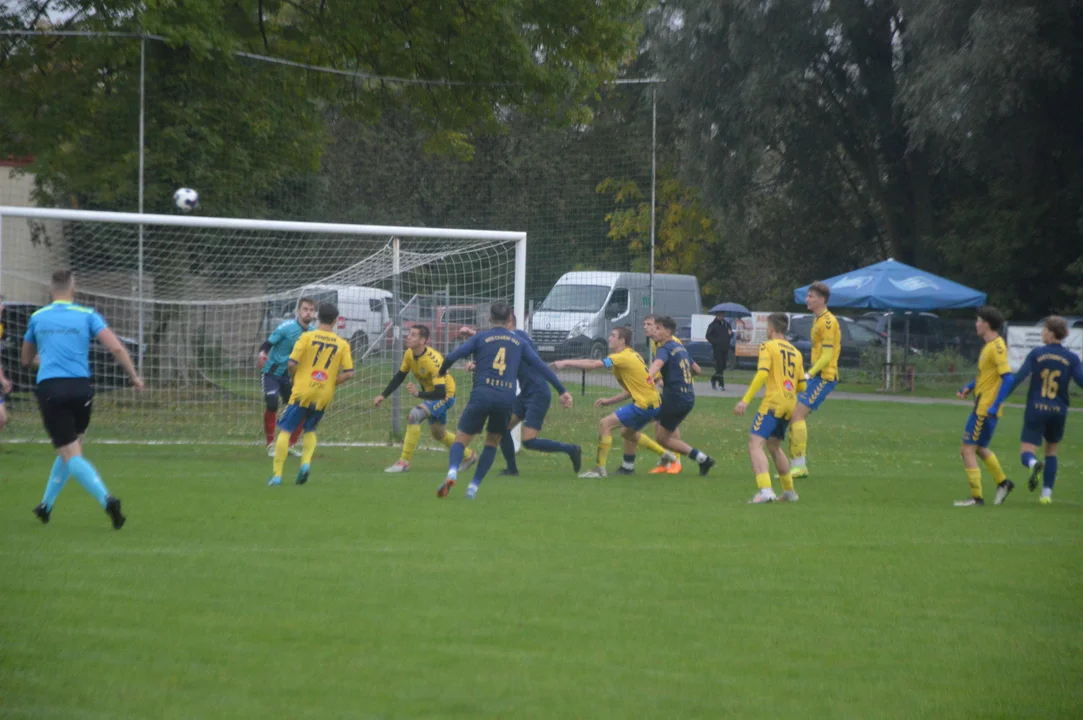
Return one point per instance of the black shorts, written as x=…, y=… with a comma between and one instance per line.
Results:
x=65, y=408
x=275, y=387
x=674, y=410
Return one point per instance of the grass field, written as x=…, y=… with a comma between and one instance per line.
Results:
x=362, y=595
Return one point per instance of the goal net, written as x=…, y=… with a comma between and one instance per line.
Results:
x=193, y=298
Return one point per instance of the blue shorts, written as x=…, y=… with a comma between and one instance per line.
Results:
x=531, y=409
x=816, y=391
x=1043, y=426
x=979, y=430
x=275, y=387
x=296, y=415
x=474, y=417
x=674, y=410
x=438, y=409
x=634, y=417
x=768, y=426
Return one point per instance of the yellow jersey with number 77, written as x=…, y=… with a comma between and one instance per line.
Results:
x=320, y=355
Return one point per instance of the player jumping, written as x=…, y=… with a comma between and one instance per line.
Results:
x=673, y=363
x=273, y=361
x=781, y=369
x=631, y=372
x=992, y=385
x=1054, y=367
x=822, y=377
x=437, y=394
x=320, y=362
x=498, y=354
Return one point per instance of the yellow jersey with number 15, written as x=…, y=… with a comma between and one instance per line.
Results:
x=320, y=356
x=631, y=372
x=785, y=373
x=992, y=363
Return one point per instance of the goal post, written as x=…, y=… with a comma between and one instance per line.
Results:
x=193, y=297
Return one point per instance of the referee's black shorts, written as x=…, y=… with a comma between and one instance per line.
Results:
x=65, y=408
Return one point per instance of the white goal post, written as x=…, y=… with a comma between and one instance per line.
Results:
x=193, y=297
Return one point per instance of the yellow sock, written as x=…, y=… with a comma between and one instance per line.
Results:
x=308, y=448
x=787, y=481
x=604, y=443
x=448, y=440
x=282, y=449
x=647, y=443
x=993, y=465
x=763, y=481
x=409, y=443
x=973, y=476
x=798, y=439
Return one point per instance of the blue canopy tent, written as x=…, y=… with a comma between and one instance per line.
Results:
x=892, y=285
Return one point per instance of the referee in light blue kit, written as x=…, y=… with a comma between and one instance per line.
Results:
x=61, y=334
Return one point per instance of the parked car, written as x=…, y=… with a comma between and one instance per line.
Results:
x=576, y=317
x=928, y=333
x=444, y=322
x=104, y=370
x=362, y=312
x=855, y=338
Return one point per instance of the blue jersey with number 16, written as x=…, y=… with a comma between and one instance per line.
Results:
x=1054, y=367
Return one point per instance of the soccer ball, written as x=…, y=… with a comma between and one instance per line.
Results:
x=186, y=199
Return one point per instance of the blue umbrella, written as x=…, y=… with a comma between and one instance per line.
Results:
x=732, y=308
x=891, y=285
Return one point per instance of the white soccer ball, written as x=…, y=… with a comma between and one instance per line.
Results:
x=186, y=199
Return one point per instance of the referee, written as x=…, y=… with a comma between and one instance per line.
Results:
x=61, y=334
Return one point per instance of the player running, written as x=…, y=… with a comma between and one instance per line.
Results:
x=320, y=362
x=1054, y=367
x=437, y=394
x=822, y=377
x=498, y=354
x=781, y=369
x=5, y=384
x=631, y=372
x=531, y=407
x=992, y=385
x=675, y=366
x=664, y=466
x=273, y=362
x=60, y=334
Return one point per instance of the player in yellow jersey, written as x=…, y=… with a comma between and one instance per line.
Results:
x=781, y=369
x=631, y=372
x=990, y=388
x=5, y=384
x=822, y=377
x=436, y=393
x=320, y=362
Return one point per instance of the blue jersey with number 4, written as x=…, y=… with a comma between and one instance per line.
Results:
x=1053, y=367
x=498, y=353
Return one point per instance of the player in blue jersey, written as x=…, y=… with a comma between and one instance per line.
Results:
x=5, y=384
x=676, y=368
x=531, y=407
x=274, y=363
x=60, y=334
x=1053, y=367
x=498, y=353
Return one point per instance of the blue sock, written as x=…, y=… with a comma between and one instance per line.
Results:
x=87, y=476
x=484, y=463
x=58, y=476
x=548, y=446
x=1028, y=459
x=1049, y=475
x=507, y=449
x=455, y=458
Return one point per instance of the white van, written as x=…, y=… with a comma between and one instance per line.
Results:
x=575, y=318
x=363, y=313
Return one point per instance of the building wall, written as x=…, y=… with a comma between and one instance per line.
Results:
x=25, y=261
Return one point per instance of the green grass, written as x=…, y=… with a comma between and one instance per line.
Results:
x=362, y=595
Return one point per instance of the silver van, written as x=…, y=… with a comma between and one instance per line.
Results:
x=575, y=318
